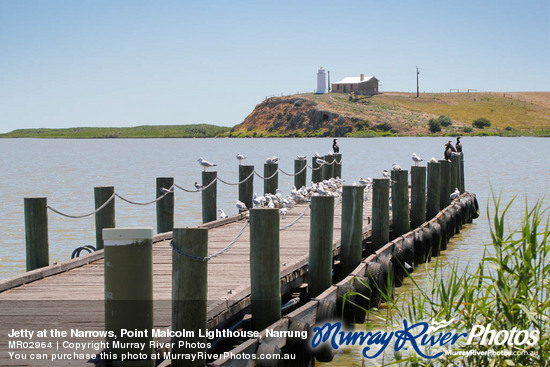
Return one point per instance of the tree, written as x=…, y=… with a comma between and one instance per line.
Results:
x=435, y=125
x=481, y=123
x=445, y=120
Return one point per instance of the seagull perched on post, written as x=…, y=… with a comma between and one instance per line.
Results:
x=416, y=159
x=316, y=155
x=395, y=167
x=433, y=160
x=385, y=174
x=300, y=157
x=272, y=160
x=455, y=194
x=320, y=161
x=240, y=157
x=205, y=163
x=241, y=206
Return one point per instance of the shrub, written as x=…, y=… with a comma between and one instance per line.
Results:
x=445, y=121
x=467, y=129
x=435, y=125
x=481, y=123
x=508, y=128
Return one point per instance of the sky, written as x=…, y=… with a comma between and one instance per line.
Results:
x=66, y=63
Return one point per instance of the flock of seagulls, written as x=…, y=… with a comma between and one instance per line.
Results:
x=332, y=187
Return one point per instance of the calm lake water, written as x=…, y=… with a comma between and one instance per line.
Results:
x=66, y=171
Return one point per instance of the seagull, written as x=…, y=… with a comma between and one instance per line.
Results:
x=455, y=194
x=395, y=167
x=283, y=210
x=316, y=155
x=458, y=144
x=272, y=160
x=300, y=157
x=330, y=153
x=241, y=206
x=222, y=214
x=433, y=160
x=205, y=163
x=320, y=161
x=198, y=187
x=335, y=146
x=385, y=174
x=416, y=159
x=165, y=191
x=365, y=182
x=240, y=157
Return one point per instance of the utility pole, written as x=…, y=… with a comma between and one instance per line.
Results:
x=417, y=90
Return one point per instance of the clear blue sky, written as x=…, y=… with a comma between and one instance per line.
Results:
x=127, y=63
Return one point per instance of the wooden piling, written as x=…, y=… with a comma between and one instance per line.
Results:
x=461, y=186
x=189, y=291
x=165, y=206
x=300, y=178
x=352, y=229
x=329, y=167
x=271, y=185
x=209, y=196
x=246, y=189
x=36, y=232
x=316, y=174
x=337, y=171
x=445, y=184
x=400, y=202
x=320, y=244
x=264, y=267
x=380, y=212
x=128, y=272
x=418, y=196
x=455, y=167
x=434, y=189
x=105, y=218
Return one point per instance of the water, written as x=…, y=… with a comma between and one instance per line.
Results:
x=66, y=171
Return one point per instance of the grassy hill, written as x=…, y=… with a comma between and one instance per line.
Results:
x=147, y=131
x=336, y=114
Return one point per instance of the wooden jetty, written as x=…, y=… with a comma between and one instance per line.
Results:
x=65, y=304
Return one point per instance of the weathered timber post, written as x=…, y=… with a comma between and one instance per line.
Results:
x=300, y=178
x=165, y=206
x=329, y=167
x=264, y=267
x=418, y=196
x=209, y=196
x=320, y=244
x=337, y=172
x=352, y=228
x=445, y=177
x=455, y=167
x=272, y=184
x=316, y=174
x=36, y=232
x=434, y=189
x=246, y=189
x=380, y=212
x=189, y=291
x=400, y=202
x=128, y=271
x=105, y=218
x=461, y=186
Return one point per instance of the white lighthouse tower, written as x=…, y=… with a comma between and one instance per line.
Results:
x=321, y=81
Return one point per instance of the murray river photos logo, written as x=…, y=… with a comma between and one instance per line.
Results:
x=418, y=336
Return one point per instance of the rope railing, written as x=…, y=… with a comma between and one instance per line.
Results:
x=218, y=253
x=83, y=215
x=297, y=219
x=293, y=174
x=270, y=177
x=171, y=190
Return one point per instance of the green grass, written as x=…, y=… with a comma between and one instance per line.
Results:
x=146, y=131
x=509, y=288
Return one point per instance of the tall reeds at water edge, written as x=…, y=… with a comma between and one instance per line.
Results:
x=510, y=288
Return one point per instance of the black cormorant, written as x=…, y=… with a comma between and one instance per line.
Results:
x=458, y=144
x=335, y=146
